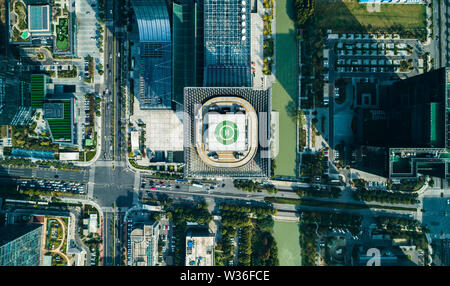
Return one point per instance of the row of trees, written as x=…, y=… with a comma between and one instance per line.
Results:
x=248, y=209
x=252, y=186
x=22, y=162
x=397, y=223
x=403, y=228
x=308, y=239
x=408, y=185
x=25, y=137
x=198, y=214
x=264, y=247
x=312, y=165
x=385, y=196
x=333, y=192
x=326, y=220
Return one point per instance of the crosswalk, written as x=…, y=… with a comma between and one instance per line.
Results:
x=91, y=179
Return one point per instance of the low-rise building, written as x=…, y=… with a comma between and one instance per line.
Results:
x=93, y=223
x=200, y=249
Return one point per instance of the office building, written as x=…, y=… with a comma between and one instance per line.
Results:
x=227, y=132
x=143, y=247
x=21, y=245
x=414, y=126
x=14, y=97
x=155, y=62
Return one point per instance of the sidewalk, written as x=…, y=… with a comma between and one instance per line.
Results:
x=98, y=124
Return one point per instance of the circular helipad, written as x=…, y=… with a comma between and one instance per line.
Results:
x=226, y=132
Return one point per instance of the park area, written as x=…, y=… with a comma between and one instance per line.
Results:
x=284, y=90
x=55, y=243
x=350, y=16
x=287, y=235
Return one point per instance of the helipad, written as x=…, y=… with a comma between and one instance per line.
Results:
x=226, y=132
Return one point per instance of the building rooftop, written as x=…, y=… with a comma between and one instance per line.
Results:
x=199, y=250
x=144, y=245
x=226, y=132
x=256, y=106
x=53, y=110
x=227, y=43
x=39, y=18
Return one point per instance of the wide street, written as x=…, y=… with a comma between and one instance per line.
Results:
x=43, y=173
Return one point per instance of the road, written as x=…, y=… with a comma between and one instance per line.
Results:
x=108, y=239
x=44, y=173
x=108, y=99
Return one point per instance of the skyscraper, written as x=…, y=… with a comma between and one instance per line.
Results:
x=21, y=245
x=415, y=128
x=14, y=95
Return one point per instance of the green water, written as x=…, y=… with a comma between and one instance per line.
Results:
x=287, y=237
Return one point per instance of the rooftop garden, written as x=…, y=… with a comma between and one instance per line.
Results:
x=62, y=34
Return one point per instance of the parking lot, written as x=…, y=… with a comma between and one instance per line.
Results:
x=87, y=31
x=355, y=55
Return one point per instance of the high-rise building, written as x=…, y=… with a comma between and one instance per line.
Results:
x=155, y=57
x=227, y=132
x=14, y=96
x=144, y=244
x=187, y=63
x=21, y=245
x=226, y=27
x=416, y=111
x=414, y=126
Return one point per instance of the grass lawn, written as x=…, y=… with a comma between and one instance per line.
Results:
x=284, y=90
x=350, y=16
x=62, y=34
x=90, y=155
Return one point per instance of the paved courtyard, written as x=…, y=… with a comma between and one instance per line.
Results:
x=164, y=128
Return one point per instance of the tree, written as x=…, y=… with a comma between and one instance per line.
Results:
x=304, y=10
